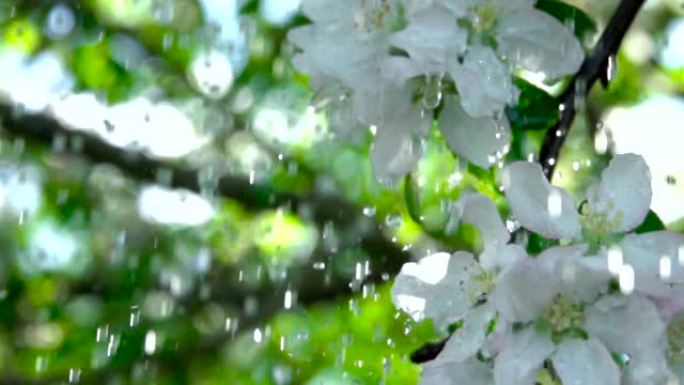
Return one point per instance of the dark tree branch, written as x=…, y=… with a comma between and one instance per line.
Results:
x=597, y=66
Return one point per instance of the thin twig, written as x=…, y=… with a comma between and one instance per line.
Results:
x=594, y=67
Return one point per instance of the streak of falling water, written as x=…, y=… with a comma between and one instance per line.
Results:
x=611, y=68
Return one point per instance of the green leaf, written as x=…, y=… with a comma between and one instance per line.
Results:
x=536, y=244
x=651, y=223
x=536, y=109
x=581, y=23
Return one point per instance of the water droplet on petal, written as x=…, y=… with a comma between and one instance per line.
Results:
x=432, y=95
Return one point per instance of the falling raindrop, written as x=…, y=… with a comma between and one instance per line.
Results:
x=60, y=22
x=611, y=68
x=150, y=345
x=74, y=376
x=393, y=220
x=369, y=211
x=134, y=316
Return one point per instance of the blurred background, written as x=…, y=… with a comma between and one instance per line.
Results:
x=176, y=207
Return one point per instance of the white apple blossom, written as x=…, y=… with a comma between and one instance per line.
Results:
x=375, y=51
x=566, y=288
x=446, y=287
x=618, y=203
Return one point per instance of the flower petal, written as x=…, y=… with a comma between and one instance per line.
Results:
x=400, y=134
x=468, y=339
x=446, y=372
x=649, y=366
x=625, y=324
x=481, y=141
x=521, y=357
x=523, y=291
x=480, y=211
x=440, y=286
x=432, y=38
x=484, y=83
x=646, y=252
x=581, y=277
x=537, y=42
x=580, y=362
x=539, y=206
x=624, y=192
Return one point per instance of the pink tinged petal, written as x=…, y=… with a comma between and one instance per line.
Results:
x=521, y=357
x=484, y=83
x=442, y=287
x=624, y=192
x=539, y=206
x=523, y=291
x=625, y=324
x=447, y=372
x=537, y=42
x=467, y=340
x=432, y=38
x=585, y=362
x=481, y=141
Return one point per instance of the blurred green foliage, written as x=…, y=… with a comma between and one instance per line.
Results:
x=92, y=319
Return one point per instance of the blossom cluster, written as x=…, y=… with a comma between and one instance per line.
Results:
x=386, y=64
x=596, y=309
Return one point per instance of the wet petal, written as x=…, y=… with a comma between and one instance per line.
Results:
x=521, y=357
x=646, y=252
x=481, y=141
x=440, y=286
x=468, y=339
x=399, y=142
x=481, y=212
x=432, y=38
x=649, y=366
x=537, y=42
x=585, y=362
x=523, y=291
x=539, y=206
x=624, y=192
x=625, y=324
x=447, y=372
x=581, y=277
x=484, y=83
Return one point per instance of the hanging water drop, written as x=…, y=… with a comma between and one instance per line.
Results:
x=432, y=95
